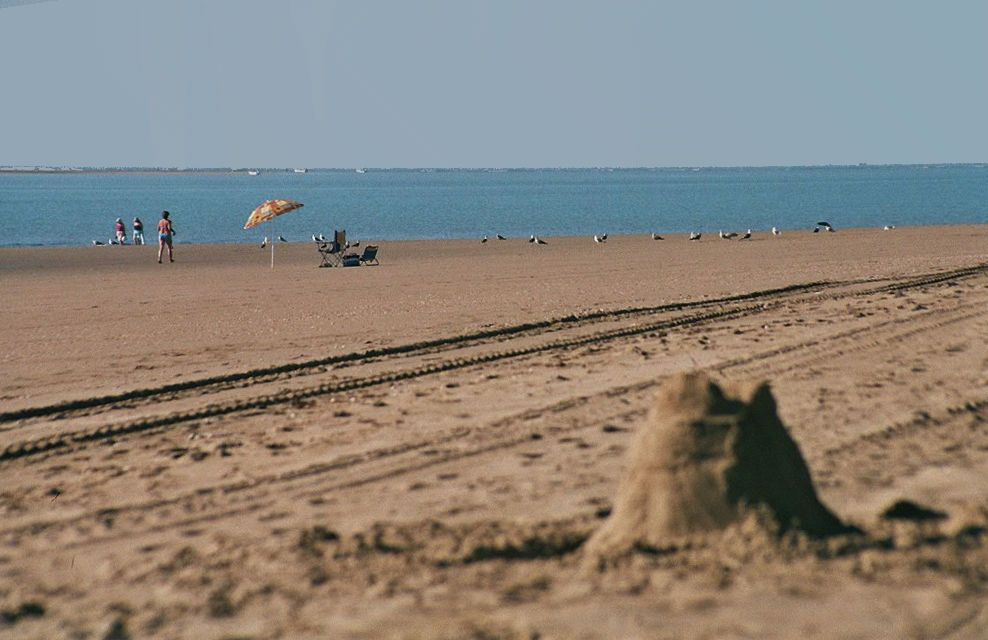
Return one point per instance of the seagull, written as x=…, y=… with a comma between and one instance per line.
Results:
x=776, y=232
x=656, y=236
x=484, y=239
x=888, y=227
x=823, y=223
x=97, y=243
x=599, y=239
x=531, y=238
x=500, y=237
x=539, y=240
x=314, y=238
x=322, y=238
x=728, y=235
x=264, y=242
x=353, y=244
x=604, y=237
x=746, y=236
x=695, y=235
x=282, y=239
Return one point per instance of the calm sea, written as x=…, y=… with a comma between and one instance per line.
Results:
x=74, y=209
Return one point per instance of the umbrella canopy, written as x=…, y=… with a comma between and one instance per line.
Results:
x=269, y=210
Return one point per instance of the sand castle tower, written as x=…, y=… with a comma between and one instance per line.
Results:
x=700, y=457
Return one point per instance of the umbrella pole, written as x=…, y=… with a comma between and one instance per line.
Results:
x=272, y=255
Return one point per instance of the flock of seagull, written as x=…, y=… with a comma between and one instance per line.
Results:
x=694, y=235
x=822, y=225
x=602, y=237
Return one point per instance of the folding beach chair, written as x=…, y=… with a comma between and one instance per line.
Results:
x=332, y=252
x=369, y=256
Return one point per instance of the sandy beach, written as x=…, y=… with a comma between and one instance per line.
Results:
x=421, y=449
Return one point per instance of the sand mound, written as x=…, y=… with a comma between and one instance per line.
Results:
x=700, y=459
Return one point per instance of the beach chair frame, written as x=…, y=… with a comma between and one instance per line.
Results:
x=369, y=256
x=332, y=252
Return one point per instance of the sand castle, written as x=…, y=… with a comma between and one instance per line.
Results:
x=702, y=456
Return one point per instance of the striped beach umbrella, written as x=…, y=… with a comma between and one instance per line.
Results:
x=269, y=210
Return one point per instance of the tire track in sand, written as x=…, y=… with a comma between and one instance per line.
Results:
x=65, y=440
x=217, y=503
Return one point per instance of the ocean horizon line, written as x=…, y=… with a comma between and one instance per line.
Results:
x=34, y=169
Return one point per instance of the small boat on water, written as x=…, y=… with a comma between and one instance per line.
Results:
x=252, y=173
x=361, y=170
x=300, y=170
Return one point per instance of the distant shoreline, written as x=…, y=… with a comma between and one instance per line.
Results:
x=121, y=171
x=219, y=170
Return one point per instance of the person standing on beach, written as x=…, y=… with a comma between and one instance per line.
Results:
x=121, y=234
x=165, y=233
x=138, y=231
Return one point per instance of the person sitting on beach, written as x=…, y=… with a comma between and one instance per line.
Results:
x=165, y=233
x=121, y=234
x=138, y=231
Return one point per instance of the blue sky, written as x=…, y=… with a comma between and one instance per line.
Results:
x=502, y=83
